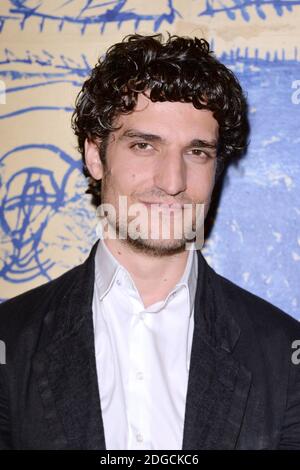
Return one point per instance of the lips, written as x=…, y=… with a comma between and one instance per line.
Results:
x=171, y=205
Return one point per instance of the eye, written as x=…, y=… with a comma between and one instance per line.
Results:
x=198, y=153
x=142, y=146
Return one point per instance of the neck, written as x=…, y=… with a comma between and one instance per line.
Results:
x=153, y=276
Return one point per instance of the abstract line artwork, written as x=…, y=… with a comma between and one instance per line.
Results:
x=43, y=70
x=31, y=197
x=88, y=12
x=246, y=9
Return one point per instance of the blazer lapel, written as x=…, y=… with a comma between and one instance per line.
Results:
x=218, y=384
x=66, y=368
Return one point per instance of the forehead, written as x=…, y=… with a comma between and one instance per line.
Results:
x=168, y=118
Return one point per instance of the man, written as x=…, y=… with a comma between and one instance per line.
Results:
x=144, y=346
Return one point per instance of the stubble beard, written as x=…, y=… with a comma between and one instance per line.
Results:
x=149, y=246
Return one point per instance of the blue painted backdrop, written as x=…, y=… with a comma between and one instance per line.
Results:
x=256, y=238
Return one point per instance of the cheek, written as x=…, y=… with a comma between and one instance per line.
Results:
x=200, y=184
x=125, y=180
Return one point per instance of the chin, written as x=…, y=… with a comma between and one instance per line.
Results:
x=157, y=247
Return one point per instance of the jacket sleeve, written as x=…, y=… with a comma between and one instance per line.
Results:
x=5, y=438
x=290, y=431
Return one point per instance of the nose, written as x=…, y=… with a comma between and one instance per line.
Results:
x=171, y=173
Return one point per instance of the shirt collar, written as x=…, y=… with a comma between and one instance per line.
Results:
x=190, y=275
x=107, y=268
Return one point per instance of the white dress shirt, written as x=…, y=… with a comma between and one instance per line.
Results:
x=142, y=356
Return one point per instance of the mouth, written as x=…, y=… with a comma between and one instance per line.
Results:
x=163, y=205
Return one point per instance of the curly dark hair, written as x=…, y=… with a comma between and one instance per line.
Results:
x=179, y=69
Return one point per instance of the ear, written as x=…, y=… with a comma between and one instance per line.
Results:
x=92, y=159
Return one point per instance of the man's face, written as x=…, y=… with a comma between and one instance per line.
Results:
x=160, y=154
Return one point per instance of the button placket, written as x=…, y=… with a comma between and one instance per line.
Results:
x=140, y=375
x=136, y=416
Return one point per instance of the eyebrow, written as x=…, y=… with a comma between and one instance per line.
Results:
x=135, y=134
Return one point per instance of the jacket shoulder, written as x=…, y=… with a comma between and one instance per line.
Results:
x=263, y=315
x=28, y=307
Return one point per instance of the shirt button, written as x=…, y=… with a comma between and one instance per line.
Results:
x=139, y=375
x=139, y=437
x=119, y=282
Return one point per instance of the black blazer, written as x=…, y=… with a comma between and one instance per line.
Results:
x=243, y=388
